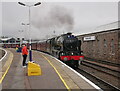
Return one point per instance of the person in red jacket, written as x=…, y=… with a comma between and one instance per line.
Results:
x=24, y=53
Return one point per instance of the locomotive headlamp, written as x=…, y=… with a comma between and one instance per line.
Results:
x=72, y=53
x=68, y=36
x=62, y=53
x=65, y=58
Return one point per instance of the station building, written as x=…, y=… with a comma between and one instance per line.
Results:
x=9, y=40
x=103, y=45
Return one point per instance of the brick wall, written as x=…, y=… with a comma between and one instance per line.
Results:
x=104, y=47
x=119, y=46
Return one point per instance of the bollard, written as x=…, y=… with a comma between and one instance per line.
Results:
x=34, y=69
x=16, y=49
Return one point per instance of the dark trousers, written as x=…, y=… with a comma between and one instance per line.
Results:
x=24, y=60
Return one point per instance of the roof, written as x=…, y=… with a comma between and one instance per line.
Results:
x=110, y=26
x=5, y=39
x=105, y=28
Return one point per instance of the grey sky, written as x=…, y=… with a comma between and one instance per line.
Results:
x=76, y=17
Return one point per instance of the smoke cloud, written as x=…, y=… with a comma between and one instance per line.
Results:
x=56, y=17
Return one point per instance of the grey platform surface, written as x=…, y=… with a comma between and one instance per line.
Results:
x=17, y=78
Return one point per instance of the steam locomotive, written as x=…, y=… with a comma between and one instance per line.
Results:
x=66, y=47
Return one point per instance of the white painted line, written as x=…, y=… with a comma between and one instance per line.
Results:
x=88, y=81
x=4, y=55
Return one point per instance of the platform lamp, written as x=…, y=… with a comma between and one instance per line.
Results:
x=29, y=6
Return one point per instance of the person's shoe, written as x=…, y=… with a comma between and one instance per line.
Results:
x=24, y=66
x=26, y=62
x=32, y=61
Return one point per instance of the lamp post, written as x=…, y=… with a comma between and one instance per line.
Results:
x=21, y=31
x=25, y=24
x=29, y=6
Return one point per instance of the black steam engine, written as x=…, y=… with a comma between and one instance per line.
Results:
x=66, y=47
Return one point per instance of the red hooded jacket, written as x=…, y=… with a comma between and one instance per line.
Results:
x=24, y=51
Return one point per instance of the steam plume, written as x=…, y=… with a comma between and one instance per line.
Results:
x=56, y=16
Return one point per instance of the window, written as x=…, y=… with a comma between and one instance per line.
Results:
x=98, y=46
x=105, y=43
x=112, y=46
x=119, y=44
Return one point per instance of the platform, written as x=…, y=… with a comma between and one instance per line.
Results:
x=55, y=75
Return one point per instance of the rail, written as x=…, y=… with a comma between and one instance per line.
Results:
x=4, y=54
x=96, y=79
x=115, y=73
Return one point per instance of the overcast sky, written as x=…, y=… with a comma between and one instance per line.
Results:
x=61, y=17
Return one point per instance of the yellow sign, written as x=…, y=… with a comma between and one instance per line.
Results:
x=34, y=69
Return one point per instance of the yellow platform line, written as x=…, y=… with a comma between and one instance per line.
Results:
x=4, y=74
x=57, y=73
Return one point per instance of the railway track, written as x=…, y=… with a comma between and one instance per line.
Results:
x=2, y=53
x=110, y=71
x=104, y=85
x=101, y=74
x=103, y=62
